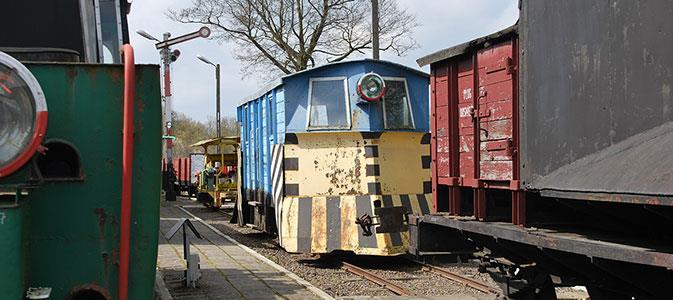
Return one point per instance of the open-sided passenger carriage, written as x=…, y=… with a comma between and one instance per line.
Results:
x=217, y=178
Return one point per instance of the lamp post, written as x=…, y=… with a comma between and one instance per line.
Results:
x=217, y=97
x=375, y=29
x=169, y=56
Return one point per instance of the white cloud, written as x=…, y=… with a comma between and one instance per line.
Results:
x=444, y=23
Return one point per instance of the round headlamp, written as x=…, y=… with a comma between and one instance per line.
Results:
x=371, y=87
x=23, y=115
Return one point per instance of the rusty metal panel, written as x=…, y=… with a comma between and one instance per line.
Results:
x=74, y=225
x=442, y=146
x=434, y=157
x=441, y=78
x=475, y=118
x=495, y=111
x=490, y=105
x=596, y=82
x=336, y=163
x=443, y=157
x=329, y=164
x=443, y=119
x=465, y=110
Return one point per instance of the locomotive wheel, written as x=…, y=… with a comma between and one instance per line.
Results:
x=205, y=199
x=192, y=191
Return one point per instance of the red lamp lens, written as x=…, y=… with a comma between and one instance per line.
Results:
x=22, y=115
x=371, y=87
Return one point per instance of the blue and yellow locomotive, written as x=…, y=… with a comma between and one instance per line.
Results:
x=335, y=157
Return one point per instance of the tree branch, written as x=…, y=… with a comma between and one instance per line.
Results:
x=292, y=35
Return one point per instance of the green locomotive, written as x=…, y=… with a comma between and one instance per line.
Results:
x=79, y=190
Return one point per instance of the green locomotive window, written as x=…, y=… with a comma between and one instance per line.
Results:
x=328, y=104
x=396, y=106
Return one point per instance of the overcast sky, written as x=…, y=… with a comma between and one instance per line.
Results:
x=444, y=23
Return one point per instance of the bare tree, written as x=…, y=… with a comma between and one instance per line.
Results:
x=293, y=35
x=189, y=131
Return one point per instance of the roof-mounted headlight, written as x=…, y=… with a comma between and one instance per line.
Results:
x=371, y=87
x=23, y=115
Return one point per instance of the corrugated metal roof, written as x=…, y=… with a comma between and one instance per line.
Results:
x=262, y=91
x=279, y=81
x=464, y=47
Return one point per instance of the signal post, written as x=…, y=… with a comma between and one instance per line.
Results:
x=169, y=56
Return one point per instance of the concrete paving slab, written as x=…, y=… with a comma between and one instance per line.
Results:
x=229, y=269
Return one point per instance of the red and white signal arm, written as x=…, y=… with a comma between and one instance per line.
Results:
x=23, y=115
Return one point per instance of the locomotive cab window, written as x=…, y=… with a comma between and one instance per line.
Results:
x=396, y=107
x=328, y=104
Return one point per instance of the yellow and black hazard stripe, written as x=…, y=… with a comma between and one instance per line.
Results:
x=325, y=224
x=372, y=167
x=426, y=162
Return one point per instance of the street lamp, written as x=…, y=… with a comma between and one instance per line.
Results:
x=146, y=35
x=217, y=97
x=169, y=56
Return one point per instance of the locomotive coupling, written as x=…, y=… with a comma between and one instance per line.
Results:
x=388, y=220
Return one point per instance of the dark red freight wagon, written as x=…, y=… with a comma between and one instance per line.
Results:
x=475, y=120
x=183, y=177
x=552, y=154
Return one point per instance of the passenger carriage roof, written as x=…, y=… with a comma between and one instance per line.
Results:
x=465, y=47
x=279, y=81
x=229, y=140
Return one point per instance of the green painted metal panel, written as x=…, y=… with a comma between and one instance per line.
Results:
x=11, y=272
x=73, y=226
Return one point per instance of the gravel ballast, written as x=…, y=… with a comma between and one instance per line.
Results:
x=325, y=271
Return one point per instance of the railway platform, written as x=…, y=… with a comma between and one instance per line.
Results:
x=229, y=270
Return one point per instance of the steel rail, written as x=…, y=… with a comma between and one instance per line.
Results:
x=475, y=284
x=397, y=289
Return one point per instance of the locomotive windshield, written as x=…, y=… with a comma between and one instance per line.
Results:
x=329, y=107
x=89, y=31
x=396, y=105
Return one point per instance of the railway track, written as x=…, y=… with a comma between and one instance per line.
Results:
x=402, y=291
x=371, y=276
x=475, y=284
x=393, y=287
